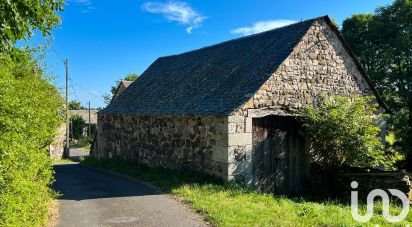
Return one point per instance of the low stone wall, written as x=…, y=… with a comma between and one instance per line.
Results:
x=338, y=185
x=370, y=181
x=199, y=143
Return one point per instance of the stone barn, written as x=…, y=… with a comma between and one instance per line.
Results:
x=228, y=109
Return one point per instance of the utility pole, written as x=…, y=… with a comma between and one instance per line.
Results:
x=89, y=121
x=67, y=147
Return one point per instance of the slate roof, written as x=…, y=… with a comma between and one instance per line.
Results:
x=213, y=80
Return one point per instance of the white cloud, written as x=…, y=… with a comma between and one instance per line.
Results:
x=80, y=2
x=84, y=6
x=177, y=11
x=261, y=26
x=94, y=92
x=88, y=9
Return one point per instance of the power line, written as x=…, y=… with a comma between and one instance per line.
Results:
x=74, y=92
x=71, y=80
x=57, y=54
x=96, y=96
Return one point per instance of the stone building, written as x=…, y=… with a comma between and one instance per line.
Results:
x=84, y=114
x=228, y=109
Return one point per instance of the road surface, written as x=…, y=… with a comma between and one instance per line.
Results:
x=95, y=198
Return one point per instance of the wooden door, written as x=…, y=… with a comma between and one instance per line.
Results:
x=279, y=158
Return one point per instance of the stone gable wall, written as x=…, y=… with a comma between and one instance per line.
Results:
x=318, y=65
x=198, y=143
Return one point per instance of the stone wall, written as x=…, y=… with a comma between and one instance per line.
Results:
x=370, y=181
x=198, y=143
x=56, y=148
x=318, y=65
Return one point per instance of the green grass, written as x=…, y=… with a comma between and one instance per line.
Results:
x=233, y=205
x=63, y=161
x=83, y=143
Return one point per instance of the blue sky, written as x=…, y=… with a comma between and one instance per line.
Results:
x=105, y=40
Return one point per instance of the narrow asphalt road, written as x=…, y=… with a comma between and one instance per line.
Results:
x=95, y=198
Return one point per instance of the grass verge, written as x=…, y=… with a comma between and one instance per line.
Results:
x=225, y=204
x=83, y=143
x=63, y=161
x=53, y=216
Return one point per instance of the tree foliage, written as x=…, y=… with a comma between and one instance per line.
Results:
x=343, y=132
x=20, y=18
x=383, y=41
x=30, y=112
x=77, y=127
x=75, y=105
x=129, y=77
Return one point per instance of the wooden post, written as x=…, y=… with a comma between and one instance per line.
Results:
x=66, y=152
x=89, y=131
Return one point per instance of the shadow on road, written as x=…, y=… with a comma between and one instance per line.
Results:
x=76, y=182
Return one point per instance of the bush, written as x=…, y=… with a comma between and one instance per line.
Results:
x=343, y=132
x=77, y=127
x=82, y=142
x=29, y=117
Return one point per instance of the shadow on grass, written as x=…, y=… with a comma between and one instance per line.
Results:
x=165, y=179
x=168, y=180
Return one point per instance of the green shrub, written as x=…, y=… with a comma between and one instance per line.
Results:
x=343, y=132
x=77, y=127
x=29, y=117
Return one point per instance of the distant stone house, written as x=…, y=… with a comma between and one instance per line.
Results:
x=84, y=114
x=89, y=119
x=228, y=109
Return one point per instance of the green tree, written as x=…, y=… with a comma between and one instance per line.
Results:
x=129, y=77
x=20, y=18
x=77, y=126
x=75, y=105
x=30, y=113
x=342, y=132
x=382, y=41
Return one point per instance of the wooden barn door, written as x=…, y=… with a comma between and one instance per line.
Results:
x=279, y=160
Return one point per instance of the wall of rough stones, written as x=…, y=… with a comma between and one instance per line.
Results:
x=318, y=65
x=198, y=143
x=56, y=148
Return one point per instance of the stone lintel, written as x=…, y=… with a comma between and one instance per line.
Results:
x=258, y=113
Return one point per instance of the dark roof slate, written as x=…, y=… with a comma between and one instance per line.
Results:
x=214, y=80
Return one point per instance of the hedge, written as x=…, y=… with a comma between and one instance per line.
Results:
x=29, y=117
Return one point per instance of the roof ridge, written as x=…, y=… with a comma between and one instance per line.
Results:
x=244, y=37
